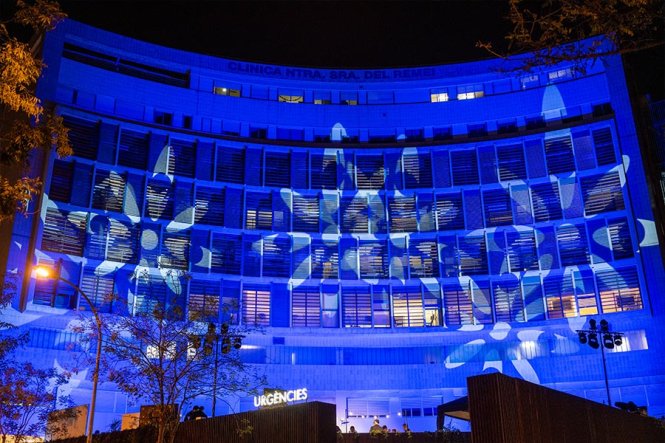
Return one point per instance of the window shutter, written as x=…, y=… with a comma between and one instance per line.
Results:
x=209, y=206
x=83, y=136
x=473, y=255
x=423, y=258
x=508, y=303
x=230, y=165
x=512, y=165
x=522, y=254
x=61, y=181
x=496, y=247
x=123, y=245
x=602, y=141
x=109, y=191
x=182, y=158
x=277, y=256
x=535, y=159
x=348, y=258
x=134, y=148
x=203, y=302
x=301, y=258
x=533, y=298
x=465, y=167
x=573, y=246
x=159, y=201
x=402, y=213
x=449, y=212
x=426, y=217
x=498, y=210
x=547, y=251
x=356, y=307
x=457, y=305
x=98, y=230
x=254, y=166
x=441, y=169
x=619, y=290
x=324, y=171
x=488, y=166
x=398, y=258
x=325, y=259
x=417, y=170
x=521, y=204
x=546, y=203
x=393, y=161
x=306, y=307
x=305, y=213
x=252, y=248
x=233, y=209
x=278, y=169
x=559, y=154
x=373, y=256
x=108, y=139
x=622, y=246
x=81, y=184
x=134, y=195
x=602, y=193
x=64, y=232
x=583, y=147
x=355, y=214
x=571, y=198
x=299, y=168
x=175, y=249
x=226, y=254
x=473, y=209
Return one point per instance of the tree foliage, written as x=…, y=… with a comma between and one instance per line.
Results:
x=166, y=359
x=25, y=124
x=28, y=396
x=551, y=30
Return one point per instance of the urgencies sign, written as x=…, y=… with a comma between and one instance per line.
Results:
x=273, y=397
x=335, y=75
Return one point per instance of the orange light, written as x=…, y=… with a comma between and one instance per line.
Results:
x=42, y=271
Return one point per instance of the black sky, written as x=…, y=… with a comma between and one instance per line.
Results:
x=315, y=33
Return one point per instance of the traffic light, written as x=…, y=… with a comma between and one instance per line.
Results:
x=226, y=344
x=237, y=342
x=618, y=341
x=582, y=337
x=210, y=338
x=592, y=324
x=593, y=341
x=604, y=326
x=608, y=341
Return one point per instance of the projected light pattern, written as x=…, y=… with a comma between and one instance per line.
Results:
x=391, y=231
x=517, y=230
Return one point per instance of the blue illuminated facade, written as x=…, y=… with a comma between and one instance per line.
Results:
x=393, y=231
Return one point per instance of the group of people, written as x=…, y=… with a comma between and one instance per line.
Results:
x=196, y=414
x=375, y=431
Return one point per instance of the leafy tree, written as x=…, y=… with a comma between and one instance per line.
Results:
x=163, y=358
x=28, y=396
x=551, y=30
x=25, y=124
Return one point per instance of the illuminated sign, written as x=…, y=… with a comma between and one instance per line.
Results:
x=272, y=398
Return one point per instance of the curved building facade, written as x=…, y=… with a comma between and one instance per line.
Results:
x=393, y=231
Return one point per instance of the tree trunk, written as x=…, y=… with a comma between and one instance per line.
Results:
x=160, y=432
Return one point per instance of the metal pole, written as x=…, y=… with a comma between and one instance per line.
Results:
x=607, y=383
x=214, y=377
x=98, y=356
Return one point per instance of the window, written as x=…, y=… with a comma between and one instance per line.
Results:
x=374, y=258
x=482, y=302
x=324, y=171
x=258, y=210
x=381, y=306
x=159, y=200
x=533, y=298
x=370, y=172
x=356, y=307
x=408, y=307
x=449, y=212
x=322, y=98
x=151, y=292
x=619, y=232
x=604, y=147
x=278, y=169
x=585, y=292
x=348, y=98
x=508, y=303
x=123, y=242
x=437, y=96
x=182, y=158
x=546, y=204
x=99, y=285
x=354, y=214
x=290, y=97
x=473, y=255
x=209, y=206
x=432, y=304
x=522, y=255
x=203, y=300
x=619, y=290
x=423, y=258
x=330, y=307
x=560, y=74
x=305, y=307
x=498, y=210
x=602, y=193
x=256, y=305
x=163, y=118
x=230, y=165
x=457, y=305
x=229, y=91
x=109, y=191
x=559, y=296
x=175, y=249
x=426, y=218
x=573, y=245
x=511, y=162
x=276, y=256
x=64, y=232
x=305, y=213
x=226, y=253
x=465, y=167
x=469, y=92
x=559, y=155
x=417, y=170
x=83, y=136
x=477, y=130
x=402, y=213
x=325, y=258
x=133, y=149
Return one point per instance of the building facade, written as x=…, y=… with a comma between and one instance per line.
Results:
x=393, y=231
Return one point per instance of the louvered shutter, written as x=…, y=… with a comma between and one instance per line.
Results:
x=226, y=254
x=508, y=303
x=355, y=214
x=473, y=255
x=488, y=164
x=423, y=258
x=449, y=212
x=548, y=255
x=306, y=307
x=522, y=254
x=182, y=158
x=546, y=203
x=324, y=171
x=81, y=184
x=159, y=200
x=209, y=206
x=521, y=204
x=498, y=210
x=559, y=155
x=535, y=158
x=356, y=307
x=175, y=249
x=230, y=166
x=251, y=251
x=584, y=155
x=325, y=259
x=278, y=169
x=619, y=289
x=417, y=170
x=533, y=298
x=619, y=232
x=465, y=167
x=441, y=169
x=402, y=213
x=61, y=181
x=602, y=193
x=348, y=265
x=473, y=209
x=305, y=213
x=370, y=171
x=203, y=302
x=571, y=198
x=83, y=136
x=133, y=149
x=123, y=243
x=604, y=147
x=277, y=256
x=373, y=257
x=109, y=191
x=512, y=165
x=457, y=305
x=64, y=232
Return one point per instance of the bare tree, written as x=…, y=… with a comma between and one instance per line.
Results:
x=161, y=357
x=552, y=31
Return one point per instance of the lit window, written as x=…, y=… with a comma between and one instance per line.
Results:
x=222, y=90
x=470, y=92
x=348, y=98
x=437, y=97
x=322, y=98
x=321, y=101
x=290, y=98
x=469, y=95
x=561, y=74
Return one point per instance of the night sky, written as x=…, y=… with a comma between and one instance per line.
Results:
x=316, y=33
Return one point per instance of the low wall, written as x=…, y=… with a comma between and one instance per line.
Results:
x=508, y=410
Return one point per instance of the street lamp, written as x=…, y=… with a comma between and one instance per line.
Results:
x=601, y=338
x=44, y=272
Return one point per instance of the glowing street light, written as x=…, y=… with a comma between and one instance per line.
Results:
x=45, y=272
